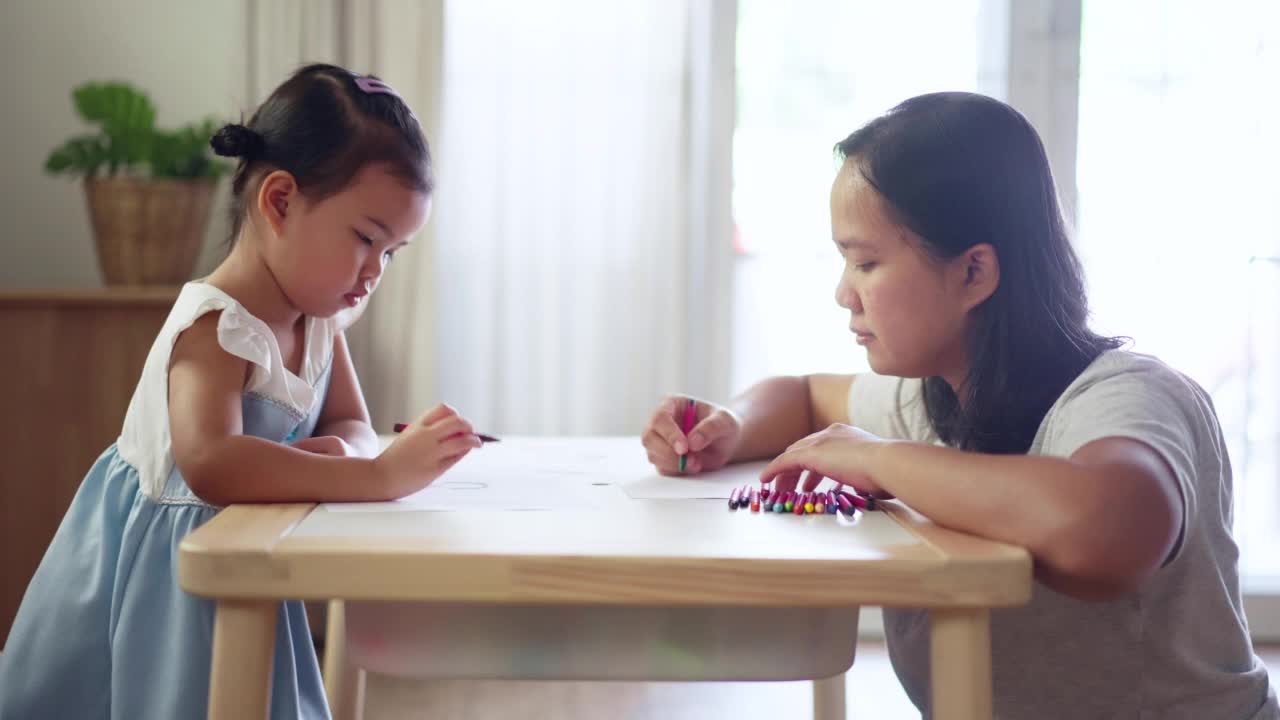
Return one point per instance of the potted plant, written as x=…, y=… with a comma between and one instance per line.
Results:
x=149, y=191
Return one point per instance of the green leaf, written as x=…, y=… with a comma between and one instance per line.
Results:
x=129, y=138
x=118, y=107
x=82, y=155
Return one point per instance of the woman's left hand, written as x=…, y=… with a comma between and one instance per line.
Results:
x=840, y=452
x=326, y=445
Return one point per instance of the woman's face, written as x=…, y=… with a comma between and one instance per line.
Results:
x=909, y=309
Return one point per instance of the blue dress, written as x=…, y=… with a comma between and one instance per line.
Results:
x=104, y=631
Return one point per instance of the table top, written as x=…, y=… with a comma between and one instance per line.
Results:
x=622, y=551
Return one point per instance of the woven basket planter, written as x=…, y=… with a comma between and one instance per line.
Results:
x=148, y=232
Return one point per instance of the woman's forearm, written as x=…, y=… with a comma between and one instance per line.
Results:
x=773, y=413
x=1068, y=515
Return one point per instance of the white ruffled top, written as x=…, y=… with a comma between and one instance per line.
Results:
x=145, y=441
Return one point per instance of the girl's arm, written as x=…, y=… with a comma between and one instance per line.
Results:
x=223, y=466
x=1098, y=524
x=344, y=415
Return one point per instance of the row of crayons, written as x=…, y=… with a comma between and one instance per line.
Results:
x=799, y=503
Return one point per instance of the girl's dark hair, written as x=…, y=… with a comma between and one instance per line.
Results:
x=959, y=169
x=322, y=127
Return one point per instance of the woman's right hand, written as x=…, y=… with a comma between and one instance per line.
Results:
x=423, y=451
x=709, y=445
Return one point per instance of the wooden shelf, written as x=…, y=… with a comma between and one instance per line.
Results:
x=116, y=295
x=77, y=357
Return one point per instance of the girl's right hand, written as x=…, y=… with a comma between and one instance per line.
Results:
x=424, y=450
x=709, y=445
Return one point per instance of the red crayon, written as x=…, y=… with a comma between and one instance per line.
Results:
x=798, y=508
x=755, y=501
x=845, y=506
x=860, y=502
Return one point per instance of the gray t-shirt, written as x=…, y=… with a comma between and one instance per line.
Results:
x=1178, y=648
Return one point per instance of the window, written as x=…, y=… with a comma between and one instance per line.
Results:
x=1179, y=226
x=809, y=73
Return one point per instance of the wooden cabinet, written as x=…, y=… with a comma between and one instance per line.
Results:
x=70, y=363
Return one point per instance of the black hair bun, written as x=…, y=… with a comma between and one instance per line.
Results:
x=237, y=141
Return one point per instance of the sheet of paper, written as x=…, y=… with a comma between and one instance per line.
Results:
x=718, y=484
x=527, y=474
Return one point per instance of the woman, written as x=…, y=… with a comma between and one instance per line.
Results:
x=993, y=409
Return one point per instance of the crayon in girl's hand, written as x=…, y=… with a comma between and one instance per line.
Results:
x=399, y=427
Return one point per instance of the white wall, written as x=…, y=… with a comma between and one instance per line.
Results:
x=188, y=55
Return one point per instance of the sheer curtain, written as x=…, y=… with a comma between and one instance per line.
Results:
x=583, y=212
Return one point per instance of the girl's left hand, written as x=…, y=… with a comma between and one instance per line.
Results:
x=840, y=452
x=326, y=445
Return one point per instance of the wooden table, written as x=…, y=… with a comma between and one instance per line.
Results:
x=639, y=554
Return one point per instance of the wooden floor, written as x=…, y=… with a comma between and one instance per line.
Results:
x=872, y=692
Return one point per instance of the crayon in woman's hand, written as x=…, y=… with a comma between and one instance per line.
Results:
x=690, y=414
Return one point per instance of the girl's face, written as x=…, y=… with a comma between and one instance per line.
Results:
x=328, y=256
x=907, y=308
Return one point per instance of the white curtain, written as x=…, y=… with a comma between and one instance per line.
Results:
x=583, y=210
x=578, y=263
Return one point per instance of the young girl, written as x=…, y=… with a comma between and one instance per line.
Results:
x=248, y=395
x=994, y=410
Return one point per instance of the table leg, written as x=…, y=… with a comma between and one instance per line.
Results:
x=343, y=682
x=961, y=664
x=244, y=641
x=828, y=698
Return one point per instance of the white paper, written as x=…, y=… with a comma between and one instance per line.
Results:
x=718, y=484
x=527, y=474
x=559, y=473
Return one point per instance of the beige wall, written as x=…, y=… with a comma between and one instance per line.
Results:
x=189, y=56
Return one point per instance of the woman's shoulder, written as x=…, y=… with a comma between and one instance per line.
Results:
x=1126, y=388
x=1128, y=371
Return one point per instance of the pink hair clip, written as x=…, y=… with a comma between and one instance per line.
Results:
x=374, y=85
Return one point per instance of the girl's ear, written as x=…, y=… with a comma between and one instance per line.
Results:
x=981, y=268
x=277, y=195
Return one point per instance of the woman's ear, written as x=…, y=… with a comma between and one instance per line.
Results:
x=277, y=195
x=981, y=267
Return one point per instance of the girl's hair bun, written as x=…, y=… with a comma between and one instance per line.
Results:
x=237, y=141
